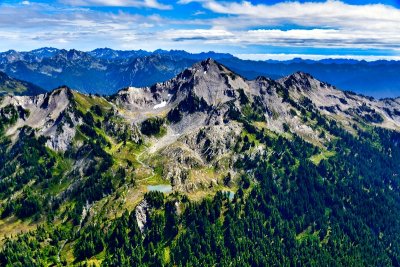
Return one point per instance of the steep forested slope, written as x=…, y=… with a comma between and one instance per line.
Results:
x=12, y=86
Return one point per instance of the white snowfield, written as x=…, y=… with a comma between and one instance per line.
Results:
x=161, y=105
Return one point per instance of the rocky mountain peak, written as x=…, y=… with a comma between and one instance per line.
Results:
x=71, y=55
x=45, y=52
x=262, y=78
x=105, y=53
x=203, y=89
x=209, y=65
x=301, y=81
x=10, y=56
x=300, y=75
x=208, y=62
x=46, y=114
x=210, y=81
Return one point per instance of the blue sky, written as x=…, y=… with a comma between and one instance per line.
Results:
x=251, y=29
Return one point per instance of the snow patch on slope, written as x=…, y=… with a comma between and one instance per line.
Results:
x=161, y=105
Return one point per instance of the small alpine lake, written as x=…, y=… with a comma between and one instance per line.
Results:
x=164, y=188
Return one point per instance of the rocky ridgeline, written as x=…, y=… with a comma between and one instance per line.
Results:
x=202, y=113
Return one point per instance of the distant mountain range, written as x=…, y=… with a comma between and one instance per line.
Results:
x=105, y=71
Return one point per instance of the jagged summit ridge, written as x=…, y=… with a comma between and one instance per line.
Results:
x=207, y=80
x=302, y=81
x=216, y=85
x=47, y=114
x=205, y=95
x=212, y=82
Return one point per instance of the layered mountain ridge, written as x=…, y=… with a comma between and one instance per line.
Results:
x=105, y=71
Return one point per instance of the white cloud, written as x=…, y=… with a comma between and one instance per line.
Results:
x=198, y=13
x=146, y=25
x=321, y=38
x=310, y=24
x=118, y=3
x=25, y=3
x=327, y=25
x=329, y=13
x=184, y=2
x=38, y=25
x=207, y=35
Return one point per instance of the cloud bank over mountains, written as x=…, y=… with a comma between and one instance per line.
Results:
x=240, y=27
